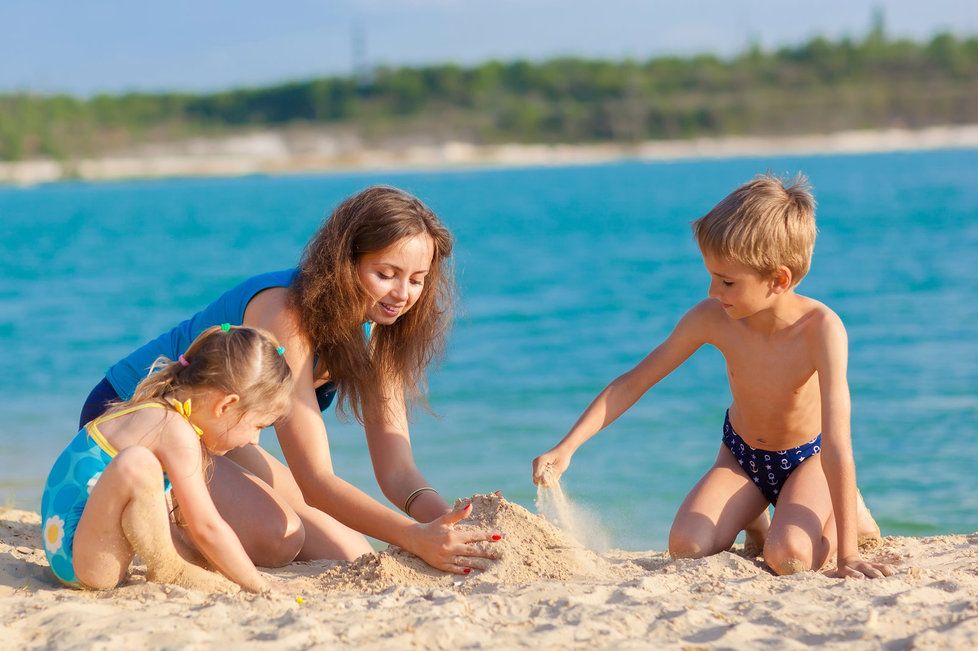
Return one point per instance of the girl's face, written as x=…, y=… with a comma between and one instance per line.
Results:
x=225, y=426
x=238, y=429
x=394, y=277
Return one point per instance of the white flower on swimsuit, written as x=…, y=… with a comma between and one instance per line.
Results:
x=91, y=482
x=54, y=533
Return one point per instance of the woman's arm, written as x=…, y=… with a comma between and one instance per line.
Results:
x=304, y=442
x=389, y=441
x=302, y=433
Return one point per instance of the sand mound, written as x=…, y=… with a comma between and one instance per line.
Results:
x=531, y=550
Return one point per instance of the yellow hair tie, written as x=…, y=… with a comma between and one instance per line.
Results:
x=183, y=408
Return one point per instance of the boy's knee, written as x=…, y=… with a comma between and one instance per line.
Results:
x=787, y=557
x=682, y=545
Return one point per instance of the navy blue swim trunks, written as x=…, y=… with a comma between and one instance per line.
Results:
x=768, y=469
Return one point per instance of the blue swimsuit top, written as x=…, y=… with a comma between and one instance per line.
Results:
x=230, y=307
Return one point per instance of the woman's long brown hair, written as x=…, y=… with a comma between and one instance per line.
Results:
x=332, y=304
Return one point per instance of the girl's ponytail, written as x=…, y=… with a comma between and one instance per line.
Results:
x=233, y=359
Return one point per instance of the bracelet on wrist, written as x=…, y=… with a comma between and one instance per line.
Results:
x=413, y=496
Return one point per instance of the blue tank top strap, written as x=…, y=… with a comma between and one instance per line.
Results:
x=228, y=308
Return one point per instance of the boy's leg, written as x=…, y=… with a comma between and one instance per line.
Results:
x=802, y=534
x=325, y=537
x=719, y=507
x=126, y=512
x=756, y=533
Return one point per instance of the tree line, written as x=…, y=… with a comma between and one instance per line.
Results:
x=815, y=87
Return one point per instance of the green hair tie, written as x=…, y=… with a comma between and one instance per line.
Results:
x=280, y=350
x=225, y=327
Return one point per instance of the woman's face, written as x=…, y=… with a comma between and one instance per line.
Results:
x=394, y=277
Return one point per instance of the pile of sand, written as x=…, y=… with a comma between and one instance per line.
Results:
x=532, y=549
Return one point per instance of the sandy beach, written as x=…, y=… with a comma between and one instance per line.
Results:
x=545, y=592
x=309, y=150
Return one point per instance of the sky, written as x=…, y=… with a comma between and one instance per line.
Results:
x=114, y=46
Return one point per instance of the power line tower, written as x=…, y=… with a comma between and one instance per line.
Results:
x=358, y=43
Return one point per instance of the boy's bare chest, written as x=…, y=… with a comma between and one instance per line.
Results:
x=775, y=365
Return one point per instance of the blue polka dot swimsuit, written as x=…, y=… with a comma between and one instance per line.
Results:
x=768, y=469
x=70, y=482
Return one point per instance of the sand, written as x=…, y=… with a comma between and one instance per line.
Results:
x=545, y=592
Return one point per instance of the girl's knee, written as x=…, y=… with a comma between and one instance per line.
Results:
x=138, y=467
x=98, y=580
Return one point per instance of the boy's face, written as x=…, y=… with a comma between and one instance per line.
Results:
x=739, y=289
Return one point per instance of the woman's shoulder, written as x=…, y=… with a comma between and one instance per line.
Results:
x=272, y=310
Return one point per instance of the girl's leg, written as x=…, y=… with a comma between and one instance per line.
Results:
x=325, y=537
x=126, y=512
x=718, y=508
x=802, y=534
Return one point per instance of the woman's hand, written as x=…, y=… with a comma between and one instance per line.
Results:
x=442, y=546
x=856, y=568
x=549, y=466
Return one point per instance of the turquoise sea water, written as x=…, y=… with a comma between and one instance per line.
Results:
x=568, y=276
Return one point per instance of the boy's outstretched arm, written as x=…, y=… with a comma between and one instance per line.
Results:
x=624, y=391
x=831, y=361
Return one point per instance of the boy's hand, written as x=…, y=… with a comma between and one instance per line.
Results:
x=549, y=466
x=856, y=568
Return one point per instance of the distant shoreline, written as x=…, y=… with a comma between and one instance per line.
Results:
x=276, y=152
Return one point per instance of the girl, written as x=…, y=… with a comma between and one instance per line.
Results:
x=104, y=499
x=361, y=317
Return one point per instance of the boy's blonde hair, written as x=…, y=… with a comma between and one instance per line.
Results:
x=763, y=224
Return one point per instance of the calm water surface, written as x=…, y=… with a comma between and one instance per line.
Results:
x=568, y=276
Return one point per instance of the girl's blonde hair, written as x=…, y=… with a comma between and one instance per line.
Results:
x=763, y=224
x=332, y=303
x=235, y=359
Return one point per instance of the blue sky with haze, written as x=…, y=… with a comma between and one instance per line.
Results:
x=115, y=46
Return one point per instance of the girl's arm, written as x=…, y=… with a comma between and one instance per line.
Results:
x=625, y=390
x=181, y=455
x=831, y=361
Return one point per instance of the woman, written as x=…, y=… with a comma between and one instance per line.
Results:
x=362, y=317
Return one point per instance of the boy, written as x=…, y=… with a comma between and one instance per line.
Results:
x=786, y=438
